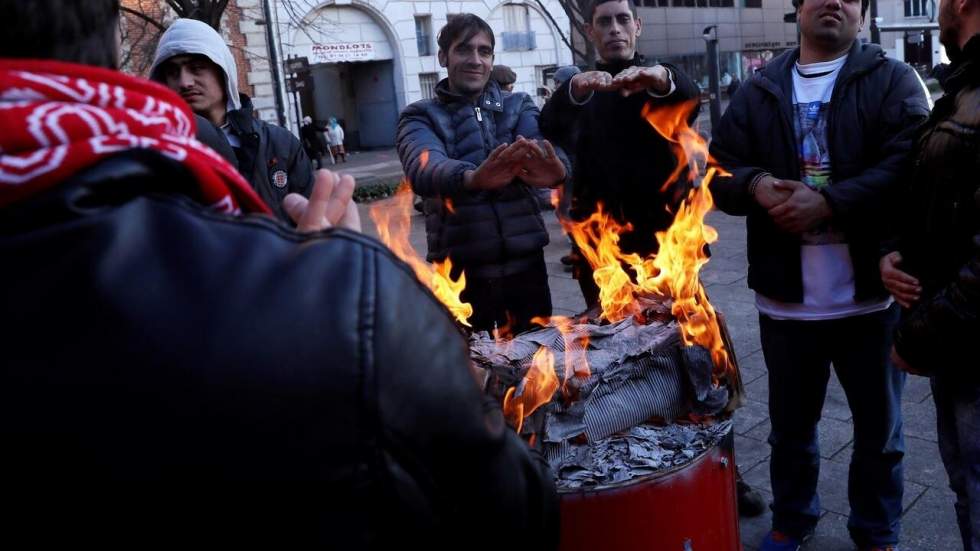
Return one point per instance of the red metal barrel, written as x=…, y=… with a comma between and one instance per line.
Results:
x=689, y=508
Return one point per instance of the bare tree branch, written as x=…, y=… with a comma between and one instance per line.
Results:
x=561, y=33
x=144, y=17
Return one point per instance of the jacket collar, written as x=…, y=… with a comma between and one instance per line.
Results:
x=491, y=98
x=777, y=76
x=616, y=67
x=966, y=69
x=241, y=120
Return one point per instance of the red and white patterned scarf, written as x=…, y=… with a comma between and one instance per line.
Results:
x=59, y=118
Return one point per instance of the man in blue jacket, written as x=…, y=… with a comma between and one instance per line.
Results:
x=816, y=143
x=474, y=155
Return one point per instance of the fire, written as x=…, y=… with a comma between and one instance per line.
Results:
x=673, y=272
x=576, y=345
x=536, y=389
x=393, y=226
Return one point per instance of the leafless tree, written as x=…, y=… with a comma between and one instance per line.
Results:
x=577, y=40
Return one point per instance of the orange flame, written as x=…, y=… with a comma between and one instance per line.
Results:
x=576, y=341
x=673, y=272
x=393, y=225
x=536, y=389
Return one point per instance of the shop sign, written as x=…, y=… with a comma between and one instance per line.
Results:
x=342, y=51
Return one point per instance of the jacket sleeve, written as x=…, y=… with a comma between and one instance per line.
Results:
x=453, y=437
x=300, y=167
x=904, y=108
x=731, y=146
x=528, y=125
x=440, y=175
x=559, y=115
x=685, y=90
x=947, y=319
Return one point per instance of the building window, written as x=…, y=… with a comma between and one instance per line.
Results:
x=916, y=8
x=428, y=81
x=721, y=3
x=753, y=3
x=423, y=34
x=517, y=35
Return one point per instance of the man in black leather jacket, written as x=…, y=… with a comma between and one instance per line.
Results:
x=150, y=338
x=935, y=273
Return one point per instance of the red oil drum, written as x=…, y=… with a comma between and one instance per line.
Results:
x=689, y=508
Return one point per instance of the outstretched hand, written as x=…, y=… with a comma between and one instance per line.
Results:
x=638, y=79
x=541, y=167
x=499, y=168
x=585, y=83
x=536, y=163
x=330, y=204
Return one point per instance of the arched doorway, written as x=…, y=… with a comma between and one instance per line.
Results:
x=353, y=66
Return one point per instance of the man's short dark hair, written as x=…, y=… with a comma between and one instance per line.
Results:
x=594, y=5
x=864, y=6
x=65, y=30
x=463, y=27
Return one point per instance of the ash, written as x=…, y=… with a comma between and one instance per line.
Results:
x=640, y=451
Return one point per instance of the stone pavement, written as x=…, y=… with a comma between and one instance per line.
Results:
x=929, y=520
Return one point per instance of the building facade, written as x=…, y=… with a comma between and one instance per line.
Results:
x=371, y=58
x=749, y=32
x=920, y=49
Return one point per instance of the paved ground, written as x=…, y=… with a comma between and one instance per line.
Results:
x=929, y=521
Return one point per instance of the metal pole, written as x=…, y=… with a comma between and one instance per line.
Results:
x=277, y=77
x=299, y=119
x=714, y=77
x=875, y=32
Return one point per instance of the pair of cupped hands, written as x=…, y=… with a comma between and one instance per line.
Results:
x=794, y=206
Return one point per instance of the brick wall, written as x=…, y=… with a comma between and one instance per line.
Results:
x=140, y=37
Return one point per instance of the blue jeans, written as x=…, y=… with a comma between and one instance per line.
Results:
x=798, y=356
x=958, y=423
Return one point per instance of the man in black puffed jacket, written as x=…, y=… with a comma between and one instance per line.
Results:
x=473, y=154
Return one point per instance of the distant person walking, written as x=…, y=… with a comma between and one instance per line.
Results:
x=335, y=136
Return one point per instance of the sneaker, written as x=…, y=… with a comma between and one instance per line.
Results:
x=750, y=502
x=778, y=541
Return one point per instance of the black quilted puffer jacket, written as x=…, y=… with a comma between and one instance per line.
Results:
x=488, y=233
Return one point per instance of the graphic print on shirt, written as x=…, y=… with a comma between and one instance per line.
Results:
x=810, y=123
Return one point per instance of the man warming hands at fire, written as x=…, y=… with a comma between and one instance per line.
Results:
x=474, y=154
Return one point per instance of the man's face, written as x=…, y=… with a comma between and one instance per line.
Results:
x=949, y=32
x=469, y=63
x=200, y=82
x=613, y=31
x=831, y=23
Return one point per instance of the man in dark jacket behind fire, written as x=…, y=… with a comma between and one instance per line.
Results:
x=940, y=251
x=153, y=335
x=193, y=60
x=816, y=142
x=473, y=154
x=621, y=161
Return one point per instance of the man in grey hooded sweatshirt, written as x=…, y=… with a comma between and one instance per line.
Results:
x=193, y=60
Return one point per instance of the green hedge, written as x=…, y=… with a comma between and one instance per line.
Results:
x=376, y=190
